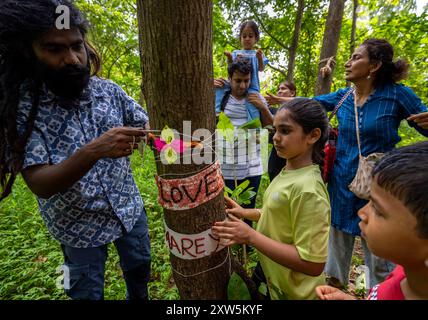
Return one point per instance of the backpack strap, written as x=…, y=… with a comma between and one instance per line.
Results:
x=224, y=101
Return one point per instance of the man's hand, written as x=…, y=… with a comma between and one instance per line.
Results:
x=219, y=83
x=256, y=101
x=115, y=143
x=421, y=119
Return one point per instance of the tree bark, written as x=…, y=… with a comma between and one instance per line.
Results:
x=177, y=68
x=331, y=38
x=353, y=32
x=295, y=41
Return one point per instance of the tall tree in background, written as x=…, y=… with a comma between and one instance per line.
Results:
x=353, y=32
x=331, y=39
x=178, y=85
x=295, y=42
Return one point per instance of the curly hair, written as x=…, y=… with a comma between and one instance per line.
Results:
x=21, y=22
x=252, y=25
x=380, y=50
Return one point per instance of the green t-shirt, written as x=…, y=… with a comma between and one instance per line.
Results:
x=296, y=211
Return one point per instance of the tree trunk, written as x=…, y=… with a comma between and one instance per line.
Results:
x=330, y=43
x=353, y=32
x=295, y=41
x=177, y=73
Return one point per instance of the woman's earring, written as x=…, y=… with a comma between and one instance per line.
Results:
x=368, y=77
x=426, y=262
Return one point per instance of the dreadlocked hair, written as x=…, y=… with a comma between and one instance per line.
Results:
x=309, y=114
x=21, y=22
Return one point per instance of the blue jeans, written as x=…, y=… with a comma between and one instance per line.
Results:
x=340, y=248
x=87, y=265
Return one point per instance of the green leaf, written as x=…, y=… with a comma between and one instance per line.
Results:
x=228, y=190
x=170, y=155
x=246, y=196
x=253, y=124
x=225, y=127
x=237, y=289
x=241, y=187
x=167, y=134
x=263, y=289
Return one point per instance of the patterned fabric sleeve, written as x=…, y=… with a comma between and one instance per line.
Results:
x=36, y=151
x=133, y=114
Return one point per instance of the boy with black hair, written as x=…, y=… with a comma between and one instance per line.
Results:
x=395, y=225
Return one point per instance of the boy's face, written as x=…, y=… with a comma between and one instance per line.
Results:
x=239, y=84
x=389, y=229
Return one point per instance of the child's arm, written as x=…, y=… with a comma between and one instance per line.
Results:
x=237, y=231
x=265, y=115
x=229, y=57
x=332, y=293
x=259, y=55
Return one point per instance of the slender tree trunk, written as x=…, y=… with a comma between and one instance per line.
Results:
x=295, y=41
x=177, y=70
x=331, y=38
x=354, y=26
x=353, y=32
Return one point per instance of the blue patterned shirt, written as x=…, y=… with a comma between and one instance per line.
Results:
x=105, y=202
x=379, y=119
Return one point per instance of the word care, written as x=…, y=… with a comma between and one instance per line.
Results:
x=192, y=246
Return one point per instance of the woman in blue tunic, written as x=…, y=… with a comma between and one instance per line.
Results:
x=381, y=105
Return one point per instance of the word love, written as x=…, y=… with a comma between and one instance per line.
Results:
x=192, y=246
x=190, y=192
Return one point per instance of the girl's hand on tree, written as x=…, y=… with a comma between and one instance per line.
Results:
x=331, y=293
x=219, y=83
x=421, y=119
x=233, y=230
x=233, y=208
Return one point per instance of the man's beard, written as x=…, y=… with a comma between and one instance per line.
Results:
x=67, y=82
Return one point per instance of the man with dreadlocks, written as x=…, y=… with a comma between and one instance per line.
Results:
x=70, y=134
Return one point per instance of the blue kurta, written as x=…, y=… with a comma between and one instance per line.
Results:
x=379, y=119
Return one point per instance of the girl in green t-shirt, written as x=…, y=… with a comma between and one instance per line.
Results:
x=292, y=227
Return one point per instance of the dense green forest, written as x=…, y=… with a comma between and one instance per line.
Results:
x=29, y=256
